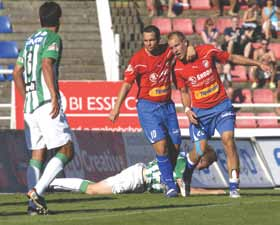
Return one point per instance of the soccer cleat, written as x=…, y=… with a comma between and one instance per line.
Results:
x=39, y=201
x=234, y=193
x=187, y=178
x=32, y=211
x=171, y=193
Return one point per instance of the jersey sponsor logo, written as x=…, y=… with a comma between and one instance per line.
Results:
x=129, y=69
x=159, y=91
x=194, y=79
x=199, y=94
x=53, y=47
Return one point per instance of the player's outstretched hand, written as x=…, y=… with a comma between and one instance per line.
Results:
x=113, y=115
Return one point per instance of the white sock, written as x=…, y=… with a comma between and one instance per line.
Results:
x=70, y=184
x=54, y=166
x=189, y=160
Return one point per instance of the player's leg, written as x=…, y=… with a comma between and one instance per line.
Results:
x=232, y=162
x=56, y=135
x=152, y=120
x=225, y=126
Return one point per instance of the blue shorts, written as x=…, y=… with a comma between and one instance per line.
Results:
x=220, y=117
x=159, y=119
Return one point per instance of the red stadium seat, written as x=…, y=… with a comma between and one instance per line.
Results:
x=247, y=95
x=245, y=123
x=199, y=24
x=183, y=120
x=263, y=96
x=183, y=25
x=164, y=24
x=239, y=74
x=267, y=123
x=275, y=47
x=242, y=95
x=200, y=4
x=222, y=23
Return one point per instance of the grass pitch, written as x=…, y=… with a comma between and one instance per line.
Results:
x=255, y=207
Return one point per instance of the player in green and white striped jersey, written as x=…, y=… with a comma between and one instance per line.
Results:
x=137, y=178
x=46, y=127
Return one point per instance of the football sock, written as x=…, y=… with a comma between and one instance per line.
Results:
x=166, y=170
x=234, y=180
x=180, y=166
x=190, y=164
x=33, y=175
x=54, y=166
x=84, y=185
x=70, y=184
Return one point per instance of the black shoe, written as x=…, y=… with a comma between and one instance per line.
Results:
x=39, y=201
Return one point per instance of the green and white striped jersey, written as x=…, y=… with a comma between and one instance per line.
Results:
x=44, y=43
x=153, y=174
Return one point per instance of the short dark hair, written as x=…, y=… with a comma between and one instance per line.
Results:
x=49, y=13
x=152, y=29
x=178, y=34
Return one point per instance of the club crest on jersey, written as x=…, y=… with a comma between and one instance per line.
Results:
x=193, y=80
x=205, y=63
x=129, y=69
x=153, y=77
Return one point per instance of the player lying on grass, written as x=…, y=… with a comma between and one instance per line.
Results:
x=137, y=178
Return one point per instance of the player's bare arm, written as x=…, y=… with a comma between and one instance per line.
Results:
x=186, y=100
x=47, y=67
x=121, y=96
x=241, y=60
x=17, y=74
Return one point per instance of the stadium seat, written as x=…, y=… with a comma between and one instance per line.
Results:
x=263, y=96
x=267, y=123
x=183, y=120
x=222, y=23
x=8, y=49
x=1, y=5
x=183, y=25
x=245, y=123
x=164, y=25
x=275, y=47
x=200, y=4
x=2, y=76
x=239, y=74
x=199, y=24
x=242, y=95
x=5, y=25
x=10, y=77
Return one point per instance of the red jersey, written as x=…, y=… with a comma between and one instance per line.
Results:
x=202, y=78
x=152, y=74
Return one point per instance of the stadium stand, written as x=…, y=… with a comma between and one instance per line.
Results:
x=245, y=123
x=5, y=25
x=164, y=24
x=183, y=120
x=199, y=24
x=275, y=47
x=267, y=123
x=222, y=23
x=8, y=49
x=200, y=5
x=263, y=96
x=183, y=25
x=239, y=74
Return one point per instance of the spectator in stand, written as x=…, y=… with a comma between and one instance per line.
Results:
x=265, y=56
x=210, y=33
x=250, y=19
x=157, y=7
x=270, y=20
x=236, y=40
x=234, y=6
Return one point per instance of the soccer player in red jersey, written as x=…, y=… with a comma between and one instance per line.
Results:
x=206, y=103
x=151, y=68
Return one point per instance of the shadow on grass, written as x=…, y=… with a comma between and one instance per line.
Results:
x=61, y=200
